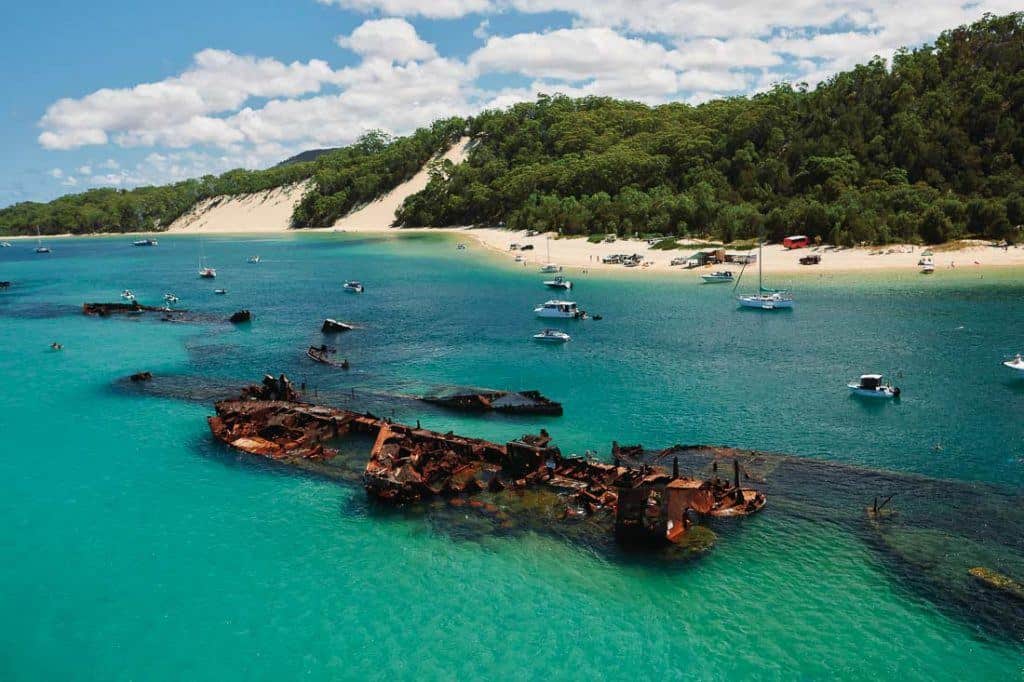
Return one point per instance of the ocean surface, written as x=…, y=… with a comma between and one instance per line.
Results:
x=135, y=547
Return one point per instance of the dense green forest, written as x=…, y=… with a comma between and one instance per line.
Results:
x=928, y=148
x=342, y=179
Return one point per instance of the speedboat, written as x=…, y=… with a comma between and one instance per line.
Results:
x=927, y=265
x=871, y=386
x=767, y=300
x=207, y=273
x=716, y=277
x=551, y=267
x=145, y=242
x=128, y=295
x=220, y=292
x=254, y=259
x=1017, y=364
x=552, y=336
x=558, y=283
x=354, y=287
x=170, y=298
x=565, y=310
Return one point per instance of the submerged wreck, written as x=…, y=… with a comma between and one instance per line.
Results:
x=510, y=402
x=640, y=503
x=133, y=308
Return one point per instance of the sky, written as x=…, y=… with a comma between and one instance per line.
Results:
x=121, y=93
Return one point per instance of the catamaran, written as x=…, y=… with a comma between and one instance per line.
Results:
x=565, y=310
x=764, y=299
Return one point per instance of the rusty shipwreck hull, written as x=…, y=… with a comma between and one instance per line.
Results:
x=409, y=464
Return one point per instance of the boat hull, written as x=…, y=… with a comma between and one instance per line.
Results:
x=883, y=393
x=1015, y=366
x=711, y=279
x=765, y=302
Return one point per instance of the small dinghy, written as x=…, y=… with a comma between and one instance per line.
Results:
x=128, y=295
x=552, y=336
x=354, y=287
x=871, y=386
x=322, y=354
x=1016, y=364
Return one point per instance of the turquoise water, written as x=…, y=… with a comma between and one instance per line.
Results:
x=135, y=547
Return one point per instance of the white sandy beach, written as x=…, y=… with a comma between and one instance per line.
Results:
x=270, y=212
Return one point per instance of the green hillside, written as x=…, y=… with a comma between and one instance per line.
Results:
x=927, y=148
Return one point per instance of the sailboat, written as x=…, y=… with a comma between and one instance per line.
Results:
x=205, y=271
x=550, y=267
x=764, y=299
x=39, y=243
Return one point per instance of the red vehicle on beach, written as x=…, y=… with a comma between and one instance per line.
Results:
x=798, y=241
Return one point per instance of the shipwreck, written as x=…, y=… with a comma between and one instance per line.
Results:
x=509, y=402
x=640, y=503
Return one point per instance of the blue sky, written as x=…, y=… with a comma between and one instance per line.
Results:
x=117, y=93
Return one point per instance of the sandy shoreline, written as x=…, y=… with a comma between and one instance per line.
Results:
x=578, y=254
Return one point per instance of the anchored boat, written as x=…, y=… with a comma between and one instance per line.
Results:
x=718, y=277
x=871, y=386
x=565, y=310
x=354, y=287
x=552, y=336
x=1016, y=364
x=145, y=242
x=558, y=283
x=764, y=299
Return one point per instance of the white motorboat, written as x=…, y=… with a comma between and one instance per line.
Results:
x=220, y=292
x=927, y=265
x=254, y=259
x=170, y=298
x=718, y=277
x=764, y=299
x=145, y=242
x=565, y=310
x=128, y=295
x=552, y=336
x=871, y=386
x=207, y=273
x=1016, y=364
x=354, y=287
x=558, y=283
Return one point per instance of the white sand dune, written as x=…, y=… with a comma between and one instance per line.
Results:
x=380, y=213
x=269, y=211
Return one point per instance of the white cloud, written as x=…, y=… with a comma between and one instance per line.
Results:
x=176, y=109
x=85, y=170
x=389, y=39
x=482, y=31
x=436, y=9
x=57, y=173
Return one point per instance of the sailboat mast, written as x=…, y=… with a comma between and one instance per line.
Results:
x=760, y=263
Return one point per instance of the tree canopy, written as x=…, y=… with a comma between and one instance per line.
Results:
x=928, y=148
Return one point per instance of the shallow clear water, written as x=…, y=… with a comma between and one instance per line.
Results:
x=135, y=547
